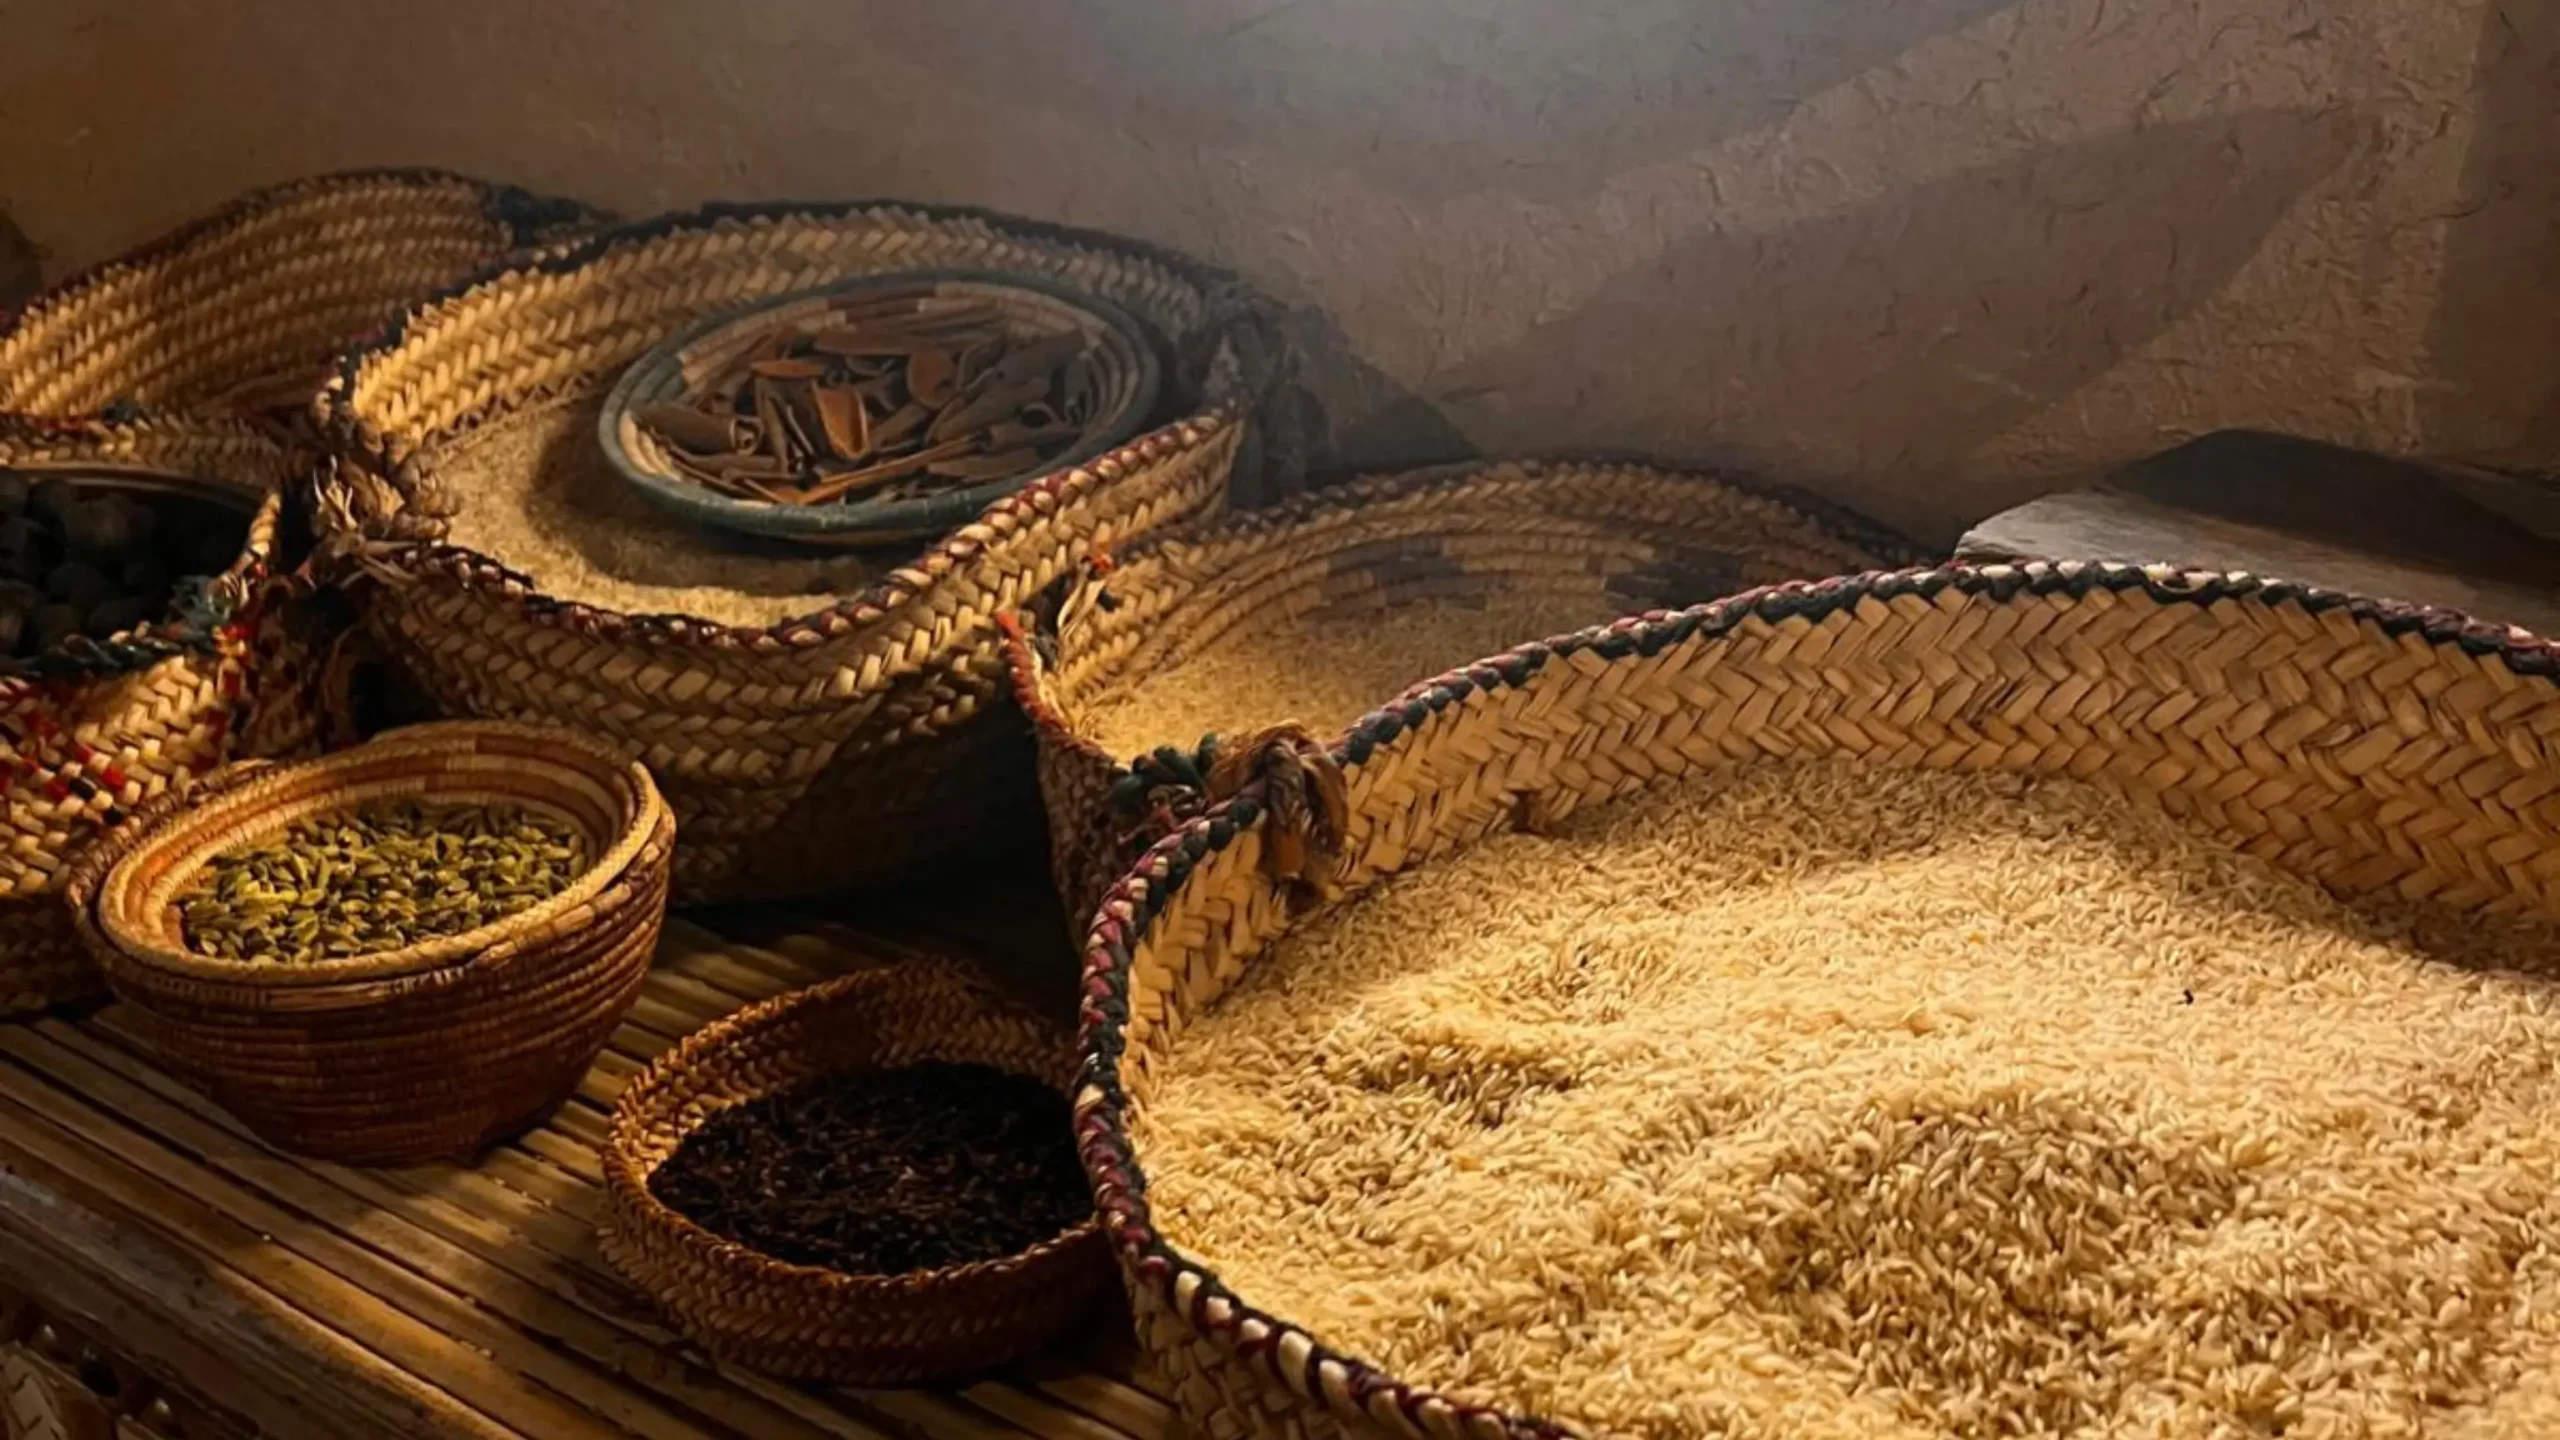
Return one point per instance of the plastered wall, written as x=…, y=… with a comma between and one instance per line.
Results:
x=1929, y=255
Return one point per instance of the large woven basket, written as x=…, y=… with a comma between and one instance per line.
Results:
x=426, y=1053
x=92, y=730
x=240, y=310
x=800, y=1320
x=842, y=747
x=2370, y=746
x=1573, y=540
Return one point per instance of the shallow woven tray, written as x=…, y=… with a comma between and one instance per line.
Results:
x=1124, y=372
x=426, y=1053
x=240, y=310
x=845, y=747
x=804, y=1321
x=2370, y=746
x=92, y=729
x=1585, y=537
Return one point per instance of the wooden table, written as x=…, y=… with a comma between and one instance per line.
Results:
x=214, y=1284
x=2429, y=534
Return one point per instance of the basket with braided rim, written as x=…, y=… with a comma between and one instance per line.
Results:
x=94, y=728
x=843, y=747
x=2372, y=746
x=1581, y=539
x=807, y=1322
x=430, y=1052
x=239, y=311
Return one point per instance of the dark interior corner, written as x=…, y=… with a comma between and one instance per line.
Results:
x=21, y=263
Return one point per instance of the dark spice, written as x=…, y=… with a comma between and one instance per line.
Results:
x=95, y=555
x=882, y=1172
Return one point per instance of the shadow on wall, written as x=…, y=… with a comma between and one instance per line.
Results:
x=1406, y=93
x=1883, y=344
x=2497, y=319
x=21, y=264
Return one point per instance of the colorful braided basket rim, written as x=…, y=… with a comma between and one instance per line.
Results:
x=1346, y=1384
x=1233, y=356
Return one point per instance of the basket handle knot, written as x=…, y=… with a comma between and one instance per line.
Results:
x=1303, y=793
x=366, y=522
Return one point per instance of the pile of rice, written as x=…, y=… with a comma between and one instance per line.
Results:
x=539, y=496
x=1322, y=671
x=1819, y=1102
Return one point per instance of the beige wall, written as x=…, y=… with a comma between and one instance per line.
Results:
x=1927, y=254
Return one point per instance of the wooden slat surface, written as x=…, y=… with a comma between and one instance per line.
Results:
x=323, y=1300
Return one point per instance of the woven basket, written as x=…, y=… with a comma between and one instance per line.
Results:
x=816, y=1324
x=846, y=746
x=91, y=730
x=1579, y=540
x=426, y=1053
x=2371, y=746
x=240, y=311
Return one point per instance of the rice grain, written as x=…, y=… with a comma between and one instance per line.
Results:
x=1825, y=1102
x=1321, y=671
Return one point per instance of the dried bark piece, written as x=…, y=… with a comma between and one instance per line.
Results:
x=968, y=416
x=905, y=423
x=872, y=348
x=690, y=430
x=775, y=441
x=977, y=360
x=931, y=374
x=971, y=316
x=847, y=423
x=801, y=422
x=841, y=484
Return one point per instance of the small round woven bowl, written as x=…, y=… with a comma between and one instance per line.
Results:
x=427, y=1053
x=806, y=1322
x=1121, y=380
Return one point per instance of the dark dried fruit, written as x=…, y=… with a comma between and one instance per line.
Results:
x=26, y=549
x=114, y=617
x=145, y=573
x=214, y=553
x=52, y=498
x=52, y=624
x=79, y=584
x=883, y=1172
x=101, y=525
x=100, y=556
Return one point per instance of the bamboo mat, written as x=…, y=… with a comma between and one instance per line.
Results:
x=313, y=1299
